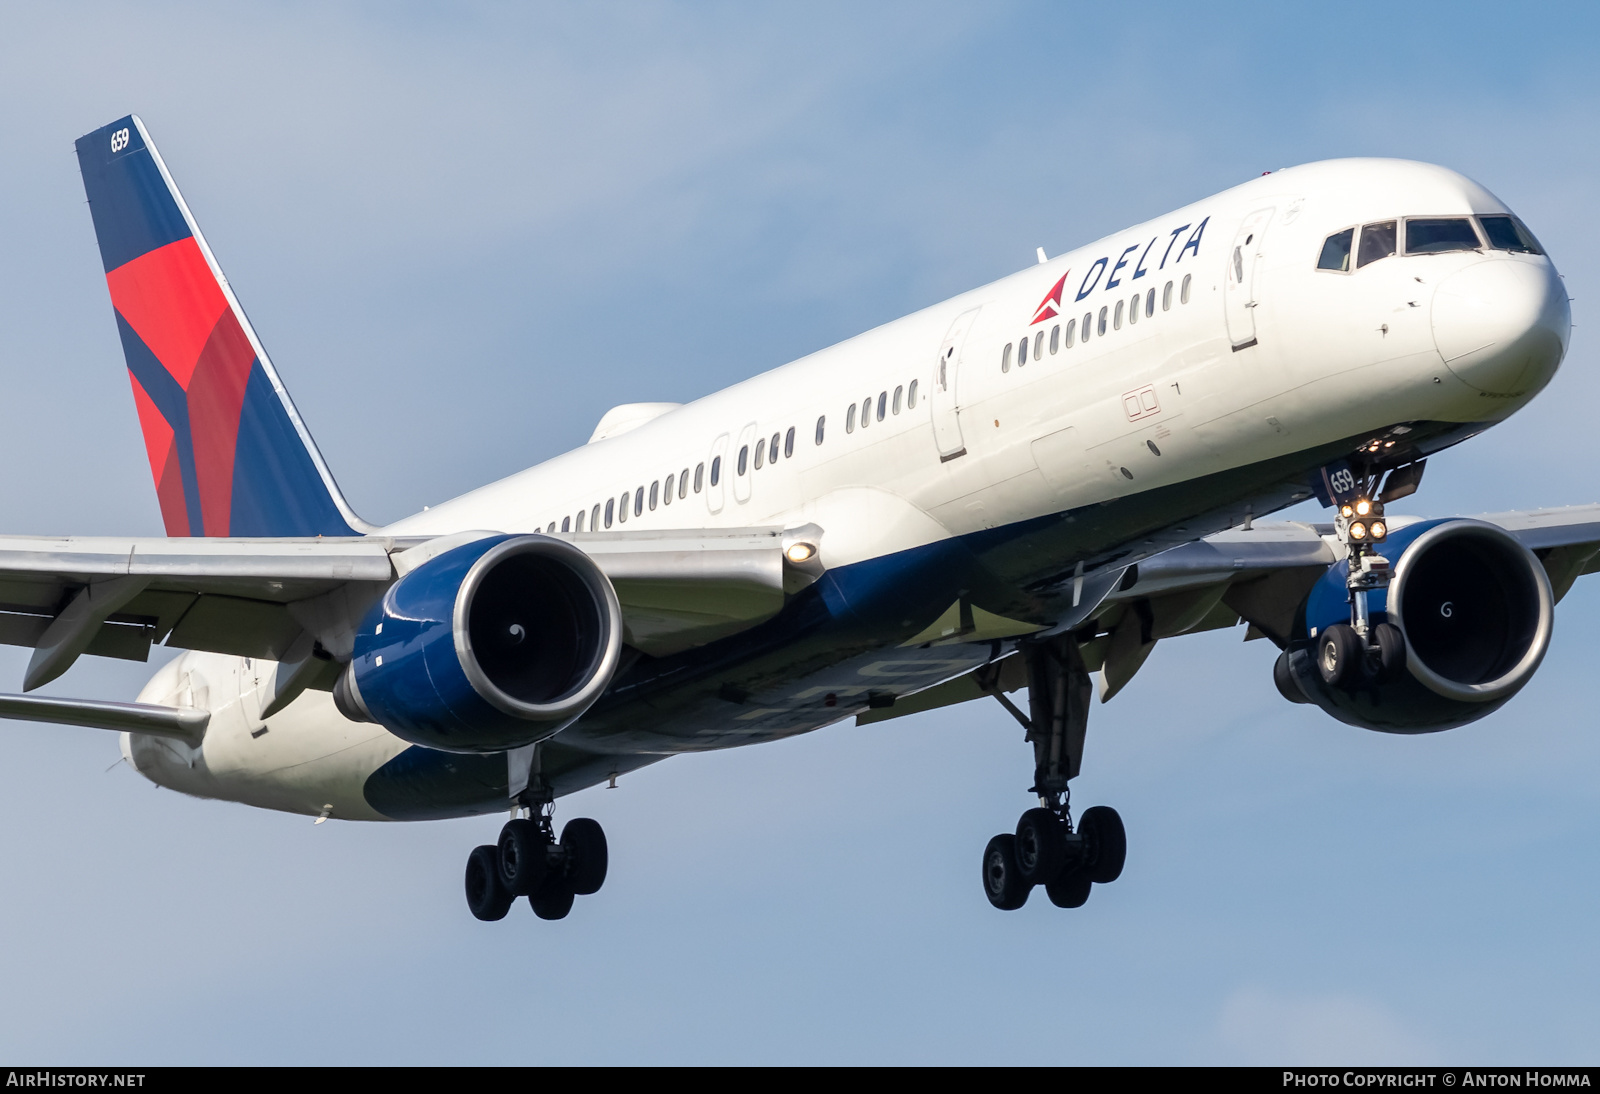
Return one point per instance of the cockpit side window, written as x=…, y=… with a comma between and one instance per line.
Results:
x=1509, y=234
x=1436, y=235
x=1336, y=251
x=1377, y=241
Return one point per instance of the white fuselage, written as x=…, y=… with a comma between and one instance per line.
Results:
x=1213, y=343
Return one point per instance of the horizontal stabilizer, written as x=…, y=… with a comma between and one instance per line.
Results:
x=183, y=723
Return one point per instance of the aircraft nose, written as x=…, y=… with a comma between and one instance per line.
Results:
x=1502, y=325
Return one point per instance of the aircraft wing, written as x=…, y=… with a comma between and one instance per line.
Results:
x=1257, y=576
x=269, y=598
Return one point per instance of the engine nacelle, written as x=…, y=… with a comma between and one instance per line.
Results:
x=1476, y=611
x=492, y=645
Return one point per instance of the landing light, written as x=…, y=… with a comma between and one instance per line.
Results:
x=800, y=552
x=1379, y=530
x=1358, y=530
x=1346, y=511
x=1363, y=507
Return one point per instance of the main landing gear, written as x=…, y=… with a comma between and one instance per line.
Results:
x=528, y=860
x=1046, y=849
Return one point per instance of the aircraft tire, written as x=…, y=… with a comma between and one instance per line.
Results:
x=1101, y=827
x=522, y=856
x=1002, y=883
x=1391, y=645
x=553, y=899
x=487, y=898
x=1069, y=889
x=1338, y=654
x=585, y=844
x=1039, y=848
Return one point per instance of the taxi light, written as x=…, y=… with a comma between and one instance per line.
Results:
x=1346, y=511
x=1363, y=507
x=1358, y=530
x=1379, y=530
x=800, y=552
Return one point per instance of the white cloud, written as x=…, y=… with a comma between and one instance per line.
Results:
x=1262, y=1027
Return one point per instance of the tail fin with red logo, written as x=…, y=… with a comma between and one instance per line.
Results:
x=227, y=448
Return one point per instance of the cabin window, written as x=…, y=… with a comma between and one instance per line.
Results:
x=1183, y=293
x=883, y=402
x=716, y=473
x=850, y=419
x=1038, y=346
x=1336, y=251
x=899, y=393
x=683, y=481
x=1166, y=297
x=822, y=421
x=666, y=490
x=911, y=395
x=638, y=502
x=866, y=412
x=1072, y=329
x=1510, y=234
x=611, y=504
x=772, y=447
x=1088, y=325
x=1436, y=235
x=1377, y=242
x=1133, y=309
x=788, y=443
x=566, y=522
x=1101, y=328
x=744, y=459
x=1055, y=339
x=654, y=491
x=580, y=522
x=761, y=454
x=622, y=508
x=594, y=518
x=550, y=529
x=1005, y=358
x=1149, y=303
x=1116, y=320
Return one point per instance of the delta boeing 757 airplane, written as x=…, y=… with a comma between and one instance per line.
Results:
x=1026, y=486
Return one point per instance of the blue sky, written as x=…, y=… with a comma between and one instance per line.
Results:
x=464, y=233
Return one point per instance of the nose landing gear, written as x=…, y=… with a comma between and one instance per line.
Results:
x=1045, y=849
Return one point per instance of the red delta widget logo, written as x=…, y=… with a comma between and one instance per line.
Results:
x=1051, y=304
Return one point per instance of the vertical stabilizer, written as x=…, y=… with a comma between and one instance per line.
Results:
x=228, y=451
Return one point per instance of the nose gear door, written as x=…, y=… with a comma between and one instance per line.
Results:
x=1240, y=287
x=946, y=404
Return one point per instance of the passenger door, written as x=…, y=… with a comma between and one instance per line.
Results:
x=1239, y=287
x=946, y=405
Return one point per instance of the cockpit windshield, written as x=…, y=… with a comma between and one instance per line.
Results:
x=1436, y=235
x=1377, y=241
x=1424, y=236
x=1509, y=234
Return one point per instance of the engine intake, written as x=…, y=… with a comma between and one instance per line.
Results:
x=492, y=645
x=1475, y=609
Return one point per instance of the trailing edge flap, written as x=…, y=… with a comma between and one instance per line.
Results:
x=259, y=597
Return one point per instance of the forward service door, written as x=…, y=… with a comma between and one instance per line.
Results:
x=945, y=395
x=1241, y=285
